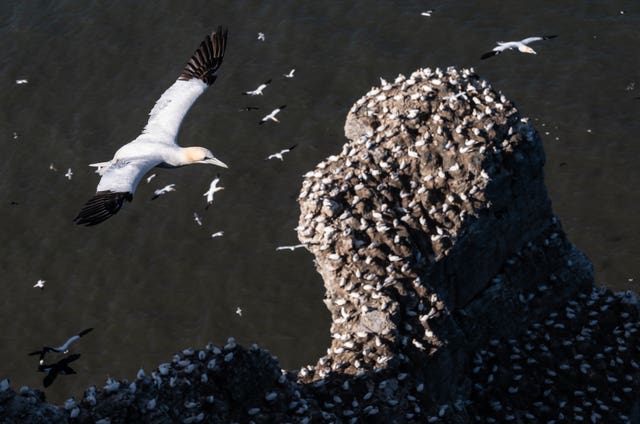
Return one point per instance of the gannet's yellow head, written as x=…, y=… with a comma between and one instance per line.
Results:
x=202, y=155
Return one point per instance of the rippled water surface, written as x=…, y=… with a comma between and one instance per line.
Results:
x=150, y=281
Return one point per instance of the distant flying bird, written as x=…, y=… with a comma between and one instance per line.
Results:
x=162, y=191
x=39, y=284
x=157, y=146
x=59, y=368
x=290, y=74
x=261, y=36
x=63, y=348
x=69, y=174
x=213, y=187
x=292, y=248
x=197, y=219
x=218, y=234
x=272, y=116
x=21, y=81
x=239, y=311
x=520, y=45
x=427, y=13
x=150, y=177
x=257, y=91
x=281, y=153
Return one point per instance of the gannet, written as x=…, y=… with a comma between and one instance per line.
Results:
x=272, y=116
x=257, y=91
x=69, y=174
x=520, y=45
x=157, y=146
x=239, y=311
x=39, y=284
x=212, y=189
x=427, y=13
x=21, y=81
x=63, y=348
x=150, y=177
x=52, y=167
x=290, y=74
x=217, y=234
x=281, y=153
x=292, y=248
x=61, y=367
x=261, y=36
x=197, y=219
x=162, y=191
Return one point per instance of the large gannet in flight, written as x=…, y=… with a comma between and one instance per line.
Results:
x=521, y=45
x=157, y=146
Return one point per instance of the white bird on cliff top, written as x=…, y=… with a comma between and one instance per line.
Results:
x=272, y=116
x=157, y=146
x=212, y=189
x=520, y=45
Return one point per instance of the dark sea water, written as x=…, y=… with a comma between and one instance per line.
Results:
x=150, y=281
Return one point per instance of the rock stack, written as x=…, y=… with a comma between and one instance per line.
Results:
x=455, y=295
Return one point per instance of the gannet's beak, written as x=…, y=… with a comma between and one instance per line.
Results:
x=214, y=161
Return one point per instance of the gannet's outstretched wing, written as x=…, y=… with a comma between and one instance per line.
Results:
x=199, y=73
x=118, y=183
x=540, y=38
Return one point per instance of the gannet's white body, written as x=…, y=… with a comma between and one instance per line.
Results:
x=157, y=145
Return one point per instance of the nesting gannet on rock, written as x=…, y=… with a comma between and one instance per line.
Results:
x=212, y=189
x=272, y=116
x=63, y=348
x=281, y=153
x=520, y=45
x=257, y=91
x=157, y=146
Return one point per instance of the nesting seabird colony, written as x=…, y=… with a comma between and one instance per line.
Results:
x=455, y=294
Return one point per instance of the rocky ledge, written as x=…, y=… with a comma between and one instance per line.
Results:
x=454, y=292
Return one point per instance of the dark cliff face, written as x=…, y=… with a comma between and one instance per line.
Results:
x=454, y=292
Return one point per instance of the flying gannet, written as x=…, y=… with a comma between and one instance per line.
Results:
x=520, y=45
x=272, y=115
x=157, y=146
x=290, y=74
x=162, y=191
x=61, y=367
x=292, y=248
x=280, y=154
x=261, y=36
x=63, y=348
x=257, y=91
x=69, y=174
x=212, y=189
x=39, y=284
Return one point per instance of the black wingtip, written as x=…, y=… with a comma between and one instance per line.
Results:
x=206, y=60
x=83, y=332
x=100, y=207
x=548, y=37
x=282, y=107
x=488, y=55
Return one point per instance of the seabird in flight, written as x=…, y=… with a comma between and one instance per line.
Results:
x=272, y=116
x=521, y=45
x=197, y=219
x=212, y=189
x=261, y=36
x=162, y=191
x=63, y=348
x=39, y=284
x=157, y=146
x=150, y=177
x=292, y=248
x=69, y=174
x=290, y=74
x=281, y=153
x=217, y=234
x=257, y=91
x=59, y=368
